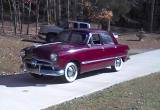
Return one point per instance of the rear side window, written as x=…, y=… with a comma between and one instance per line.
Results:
x=106, y=38
x=83, y=25
x=75, y=25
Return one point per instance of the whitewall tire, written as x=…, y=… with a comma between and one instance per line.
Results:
x=70, y=72
x=118, y=64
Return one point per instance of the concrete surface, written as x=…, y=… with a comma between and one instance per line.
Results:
x=22, y=92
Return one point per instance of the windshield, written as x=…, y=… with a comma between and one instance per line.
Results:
x=72, y=37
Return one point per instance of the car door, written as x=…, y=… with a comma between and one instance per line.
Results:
x=94, y=54
x=110, y=49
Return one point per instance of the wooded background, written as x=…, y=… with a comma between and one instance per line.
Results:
x=26, y=16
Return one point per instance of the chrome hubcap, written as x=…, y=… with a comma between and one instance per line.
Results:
x=118, y=62
x=71, y=71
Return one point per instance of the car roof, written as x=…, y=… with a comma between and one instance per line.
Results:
x=90, y=30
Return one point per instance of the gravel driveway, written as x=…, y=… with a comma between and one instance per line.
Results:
x=22, y=92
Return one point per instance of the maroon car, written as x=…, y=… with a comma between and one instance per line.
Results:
x=75, y=52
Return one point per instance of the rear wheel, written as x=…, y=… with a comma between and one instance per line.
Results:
x=70, y=72
x=118, y=63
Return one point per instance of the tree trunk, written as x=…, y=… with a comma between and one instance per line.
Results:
x=59, y=12
x=22, y=18
x=29, y=15
x=48, y=17
x=68, y=9
x=15, y=16
x=2, y=15
x=19, y=16
x=75, y=10
x=152, y=15
x=82, y=8
x=55, y=14
x=10, y=9
x=37, y=16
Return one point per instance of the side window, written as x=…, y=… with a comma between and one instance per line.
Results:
x=96, y=39
x=106, y=38
x=83, y=25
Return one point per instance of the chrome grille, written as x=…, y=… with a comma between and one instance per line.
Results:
x=38, y=64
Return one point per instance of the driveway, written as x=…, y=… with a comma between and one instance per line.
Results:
x=22, y=92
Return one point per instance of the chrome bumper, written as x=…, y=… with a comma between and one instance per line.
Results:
x=41, y=69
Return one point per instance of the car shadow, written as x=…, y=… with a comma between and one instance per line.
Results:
x=94, y=73
x=26, y=80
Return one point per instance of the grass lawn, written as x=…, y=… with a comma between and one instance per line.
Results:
x=139, y=94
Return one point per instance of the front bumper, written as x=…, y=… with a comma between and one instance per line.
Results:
x=41, y=68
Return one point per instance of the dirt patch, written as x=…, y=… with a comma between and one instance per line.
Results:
x=151, y=41
x=9, y=54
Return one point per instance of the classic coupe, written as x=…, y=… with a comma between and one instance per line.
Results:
x=75, y=52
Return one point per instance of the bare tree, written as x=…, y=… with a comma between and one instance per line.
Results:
x=19, y=15
x=37, y=15
x=2, y=15
x=29, y=15
x=59, y=11
x=48, y=14
x=15, y=16
x=55, y=14
x=75, y=9
x=68, y=9
x=10, y=9
x=22, y=18
x=152, y=15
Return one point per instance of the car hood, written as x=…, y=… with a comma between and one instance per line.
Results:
x=44, y=51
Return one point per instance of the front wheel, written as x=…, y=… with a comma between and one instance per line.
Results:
x=118, y=63
x=70, y=72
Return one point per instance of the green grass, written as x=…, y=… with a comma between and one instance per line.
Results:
x=139, y=94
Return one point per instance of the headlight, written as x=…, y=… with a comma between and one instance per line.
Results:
x=53, y=57
x=22, y=53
